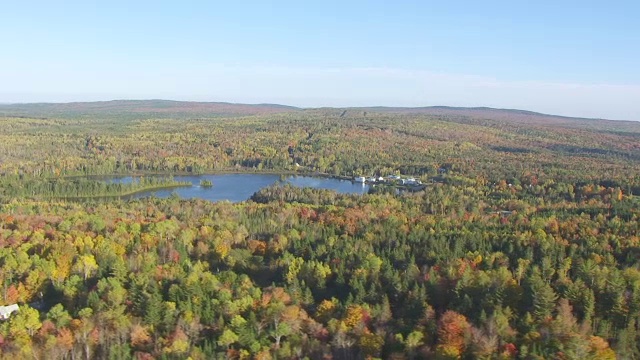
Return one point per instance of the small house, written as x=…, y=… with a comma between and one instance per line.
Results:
x=6, y=311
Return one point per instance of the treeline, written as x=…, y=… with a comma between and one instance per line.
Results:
x=13, y=187
x=292, y=194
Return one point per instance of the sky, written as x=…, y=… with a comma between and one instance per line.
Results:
x=574, y=58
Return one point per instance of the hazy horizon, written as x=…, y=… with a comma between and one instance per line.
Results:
x=307, y=107
x=561, y=59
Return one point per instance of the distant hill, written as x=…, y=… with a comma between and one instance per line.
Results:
x=485, y=116
x=141, y=108
x=481, y=113
x=190, y=109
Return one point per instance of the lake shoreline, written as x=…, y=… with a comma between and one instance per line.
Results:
x=216, y=172
x=226, y=184
x=123, y=195
x=238, y=187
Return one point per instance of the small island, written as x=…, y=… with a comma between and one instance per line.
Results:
x=206, y=183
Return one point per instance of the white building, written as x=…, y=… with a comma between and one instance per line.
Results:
x=6, y=311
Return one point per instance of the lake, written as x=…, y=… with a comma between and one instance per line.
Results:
x=240, y=187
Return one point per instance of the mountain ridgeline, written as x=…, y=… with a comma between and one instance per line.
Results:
x=181, y=109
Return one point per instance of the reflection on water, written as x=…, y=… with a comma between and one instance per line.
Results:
x=240, y=187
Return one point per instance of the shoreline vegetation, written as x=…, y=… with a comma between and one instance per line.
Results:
x=83, y=188
x=283, y=172
x=123, y=195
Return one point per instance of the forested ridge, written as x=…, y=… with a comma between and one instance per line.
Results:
x=524, y=244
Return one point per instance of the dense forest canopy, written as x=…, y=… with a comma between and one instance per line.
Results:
x=523, y=245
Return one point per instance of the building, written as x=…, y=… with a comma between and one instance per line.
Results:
x=6, y=311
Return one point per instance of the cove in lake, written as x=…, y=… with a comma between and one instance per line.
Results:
x=240, y=187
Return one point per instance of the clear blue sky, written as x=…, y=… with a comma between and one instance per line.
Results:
x=565, y=57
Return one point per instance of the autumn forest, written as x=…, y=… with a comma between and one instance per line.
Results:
x=523, y=244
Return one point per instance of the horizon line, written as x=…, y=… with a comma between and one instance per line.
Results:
x=390, y=107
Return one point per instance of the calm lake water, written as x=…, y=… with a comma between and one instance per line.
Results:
x=240, y=187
